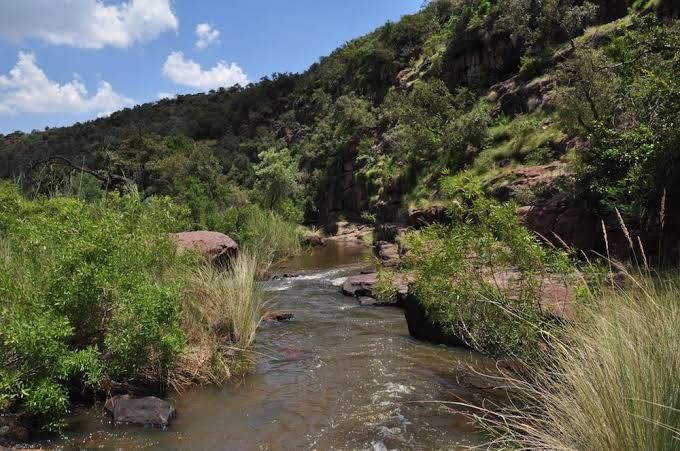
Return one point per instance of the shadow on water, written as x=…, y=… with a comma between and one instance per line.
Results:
x=338, y=376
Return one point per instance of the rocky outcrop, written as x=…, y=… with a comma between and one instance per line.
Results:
x=561, y=220
x=363, y=285
x=388, y=253
x=538, y=180
x=420, y=326
x=214, y=246
x=419, y=218
x=349, y=232
x=513, y=96
x=148, y=411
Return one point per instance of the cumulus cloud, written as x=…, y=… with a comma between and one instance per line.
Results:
x=86, y=23
x=26, y=89
x=189, y=73
x=206, y=35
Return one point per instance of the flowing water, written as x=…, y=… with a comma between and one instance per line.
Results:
x=338, y=376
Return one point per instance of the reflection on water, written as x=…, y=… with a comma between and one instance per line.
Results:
x=338, y=376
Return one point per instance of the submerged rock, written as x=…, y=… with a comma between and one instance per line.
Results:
x=312, y=240
x=149, y=411
x=423, y=328
x=276, y=317
x=214, y=246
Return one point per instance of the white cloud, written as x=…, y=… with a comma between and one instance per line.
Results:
x=86, y=23
x=166, y=95
x=206, y=35
x=26, y=89
x=189, y=73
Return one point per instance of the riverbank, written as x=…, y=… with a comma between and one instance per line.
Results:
x=336, y=375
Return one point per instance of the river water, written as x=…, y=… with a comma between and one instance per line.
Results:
x=338, y=376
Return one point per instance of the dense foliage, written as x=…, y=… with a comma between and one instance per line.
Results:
x=480, y=277
x=384, y=115
x=85, y=297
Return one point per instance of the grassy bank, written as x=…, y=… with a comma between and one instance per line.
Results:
x=611, y=384
x=94, y=299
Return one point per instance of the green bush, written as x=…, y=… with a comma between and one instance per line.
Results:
x=457, y=265
x=84, y=298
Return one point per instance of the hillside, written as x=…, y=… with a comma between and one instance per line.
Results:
x=372, y=128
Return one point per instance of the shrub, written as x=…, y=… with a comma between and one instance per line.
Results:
x=220, y=312
x=84, y=298
x=457, y=265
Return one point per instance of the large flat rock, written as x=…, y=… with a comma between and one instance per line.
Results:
x=214, y=246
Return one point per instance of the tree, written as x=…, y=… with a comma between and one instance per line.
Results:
x=277, y=177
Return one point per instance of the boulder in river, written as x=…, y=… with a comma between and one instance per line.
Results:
x=311, y=239
x=362, y=286
x=423, y=328
x=149, y=411
x=214, y=246
x=276, y=317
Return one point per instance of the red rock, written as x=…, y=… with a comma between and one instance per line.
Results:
x=216, y=247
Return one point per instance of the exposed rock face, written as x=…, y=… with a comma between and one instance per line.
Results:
x=560, y=219
x=512, y=96
x=362, y=286
x=350, y=232
x=422, y=217
x=276, y=317
x=539, y=178
x=216, y=247
x=150, y=411
x=388, y=253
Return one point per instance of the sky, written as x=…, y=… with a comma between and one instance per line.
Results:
x=65, y=61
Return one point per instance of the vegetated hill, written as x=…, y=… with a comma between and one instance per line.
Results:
x=561, y=87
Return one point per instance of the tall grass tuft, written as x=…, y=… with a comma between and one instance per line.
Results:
x=220, y=314
x=612, y=384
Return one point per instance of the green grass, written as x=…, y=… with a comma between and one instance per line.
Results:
x=524, y=139
x=612, y=384
x=220, y=312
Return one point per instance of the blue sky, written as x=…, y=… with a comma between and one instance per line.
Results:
x=63, y=61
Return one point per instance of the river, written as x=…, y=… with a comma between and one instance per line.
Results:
x=338, y=376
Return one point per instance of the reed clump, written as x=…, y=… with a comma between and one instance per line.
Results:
x=221, y=309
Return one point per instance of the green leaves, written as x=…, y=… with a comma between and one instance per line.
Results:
x=86, y=298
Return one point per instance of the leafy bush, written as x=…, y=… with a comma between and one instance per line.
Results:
x=84, y=297
x=628, y=97
x=457, y=267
